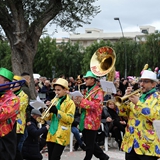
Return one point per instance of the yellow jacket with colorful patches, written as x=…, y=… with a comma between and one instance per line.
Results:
x=21, y=117
x=139, y=132
x=65, y=116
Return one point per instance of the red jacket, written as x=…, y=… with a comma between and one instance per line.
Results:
x=93, y=105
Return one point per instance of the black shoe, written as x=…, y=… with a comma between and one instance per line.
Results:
x=76, y=146
x=105, y=158
x=101, y=143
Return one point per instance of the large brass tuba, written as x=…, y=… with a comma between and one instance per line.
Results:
x=103, y=61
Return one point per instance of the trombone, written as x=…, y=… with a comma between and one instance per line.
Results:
x=46, y=113
x=120, y=100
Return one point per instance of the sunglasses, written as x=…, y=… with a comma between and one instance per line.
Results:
x=145, y=81
x=87, y=78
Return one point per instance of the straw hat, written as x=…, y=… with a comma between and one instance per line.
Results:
x=18, y=78
x=62, y=82
x=149, y=75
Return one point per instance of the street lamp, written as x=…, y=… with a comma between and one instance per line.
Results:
x=125, y=55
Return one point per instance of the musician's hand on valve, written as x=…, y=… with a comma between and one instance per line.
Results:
x=54, y=110
x=134, y=99
x=48, y=103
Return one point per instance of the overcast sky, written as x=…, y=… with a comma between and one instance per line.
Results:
x=132, y=14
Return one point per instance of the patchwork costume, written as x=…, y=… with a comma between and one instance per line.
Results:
x=9, y=108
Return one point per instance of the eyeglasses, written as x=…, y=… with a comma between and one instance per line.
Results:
x=145, y=81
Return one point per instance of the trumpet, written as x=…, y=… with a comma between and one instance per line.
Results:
x=46, y=113
x=120, y=100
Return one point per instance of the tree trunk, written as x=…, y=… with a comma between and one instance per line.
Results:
x=22, y=61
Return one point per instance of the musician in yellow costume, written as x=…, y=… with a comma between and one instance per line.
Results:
x=140, y=141
x=62, y=116
x=21, y=117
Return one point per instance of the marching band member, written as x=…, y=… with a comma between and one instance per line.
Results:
x=91, y=117
x=9, y=107
x=21, y=117
x=140, y=140
x=62, y=117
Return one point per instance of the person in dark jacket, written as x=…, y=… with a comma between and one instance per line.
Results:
x=118, y=124
x=31, y=146
x=74, y=129
x=25, y=87
x=107, y=121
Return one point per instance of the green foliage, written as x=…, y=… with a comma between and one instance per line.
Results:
x=72, y=59
x=64, y=13
x=5, y=55
x=152, y=50
x=43, y=60
x=128, y=47
x=63, y=58
x=67, y=59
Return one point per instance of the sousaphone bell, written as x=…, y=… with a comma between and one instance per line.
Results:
x=103, y=61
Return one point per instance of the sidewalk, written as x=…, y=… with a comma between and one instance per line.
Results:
x=113, y=153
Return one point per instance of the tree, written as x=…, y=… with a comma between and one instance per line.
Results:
x=68, y=56
x=24, y=20
x=5, y=54
x=130, y=48
x=43, y=60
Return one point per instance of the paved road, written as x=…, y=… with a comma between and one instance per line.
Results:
x=113, y=153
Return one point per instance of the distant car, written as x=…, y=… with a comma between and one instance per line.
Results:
x=36, y=75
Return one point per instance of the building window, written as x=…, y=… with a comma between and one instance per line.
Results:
x=144, y=31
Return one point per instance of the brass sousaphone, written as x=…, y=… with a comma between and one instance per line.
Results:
x=103, y=61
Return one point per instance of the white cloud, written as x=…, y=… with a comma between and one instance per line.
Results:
x=132, y=14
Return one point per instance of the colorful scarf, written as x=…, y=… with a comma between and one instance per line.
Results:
x=144, y=96
x=54, y=123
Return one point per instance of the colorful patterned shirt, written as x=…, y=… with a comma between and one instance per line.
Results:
x=139, y=133
x=65, y=117
x=9, y=108
x=93, y=106
x=21, y=117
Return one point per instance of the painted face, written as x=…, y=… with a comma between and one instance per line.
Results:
x=60, y=91
x=147, y=85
